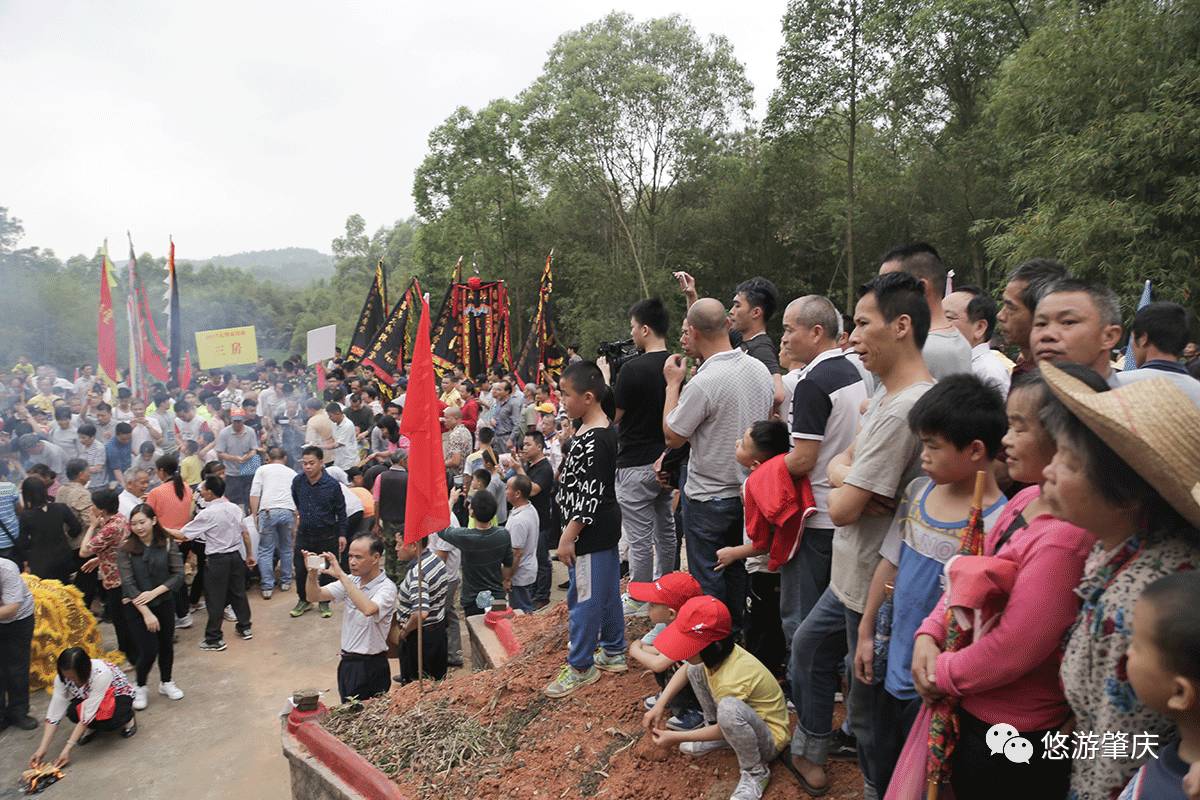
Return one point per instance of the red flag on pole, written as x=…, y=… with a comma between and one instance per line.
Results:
x=106, y=328
x=185, y=372
x=320, y=376
x=426, y=511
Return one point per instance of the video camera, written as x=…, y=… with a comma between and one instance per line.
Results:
x=616, y=353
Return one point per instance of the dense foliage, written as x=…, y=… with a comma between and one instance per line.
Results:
x=996, y=129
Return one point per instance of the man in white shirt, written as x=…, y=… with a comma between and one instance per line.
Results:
x=974, y=314
x=219, y=524
x=134, y=493
x=145, y=429
x=371, y=595
x=274, y=509
x=345, y=438
x=523, y=526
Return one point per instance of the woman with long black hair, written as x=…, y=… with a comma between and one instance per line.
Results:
x=151, y=572
x=172, y=504
x=47, y=529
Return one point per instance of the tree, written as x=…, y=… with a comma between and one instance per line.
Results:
x=1099, y=114
x=623, y=110
x=832, y=69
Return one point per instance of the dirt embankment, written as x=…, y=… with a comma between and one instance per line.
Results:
x=492, y=735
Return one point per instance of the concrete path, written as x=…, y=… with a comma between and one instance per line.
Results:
x=221, y=741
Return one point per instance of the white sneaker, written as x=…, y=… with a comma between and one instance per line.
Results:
x=634, y=608
x=140, y=698
x=170, y=690
x=702, y=748
x=751, y=784
x=184, y=622
x=229, y=615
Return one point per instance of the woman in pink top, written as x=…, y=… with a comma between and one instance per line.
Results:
x=1010, y=675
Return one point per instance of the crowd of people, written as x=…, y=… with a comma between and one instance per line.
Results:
x=797, y=522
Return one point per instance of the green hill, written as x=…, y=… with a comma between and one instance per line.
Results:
x=288, y=266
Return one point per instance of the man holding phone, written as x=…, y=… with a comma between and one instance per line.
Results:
x=363, y=670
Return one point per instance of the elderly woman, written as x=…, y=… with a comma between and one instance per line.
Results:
x=1010, y=675
x=1125, y=469
x=93, y=694
x=104, y=536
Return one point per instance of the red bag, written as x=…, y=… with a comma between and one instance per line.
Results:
x=108, y=706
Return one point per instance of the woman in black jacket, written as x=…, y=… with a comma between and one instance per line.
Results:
x=151, y=571
x=46, y=531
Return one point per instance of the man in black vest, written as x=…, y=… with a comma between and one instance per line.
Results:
x=391, y=496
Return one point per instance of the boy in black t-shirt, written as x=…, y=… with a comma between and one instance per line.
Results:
x=588, y=545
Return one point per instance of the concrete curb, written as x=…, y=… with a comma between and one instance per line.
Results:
x=486, y=650
x=323, y=768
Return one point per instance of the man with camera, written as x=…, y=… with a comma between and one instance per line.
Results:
x=640, y=391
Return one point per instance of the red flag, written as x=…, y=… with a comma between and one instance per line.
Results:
x=320, y=376
x=185, y=372
x=106, y=329
x=426, y=511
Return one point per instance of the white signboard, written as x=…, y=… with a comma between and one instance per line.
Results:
x=322, y=343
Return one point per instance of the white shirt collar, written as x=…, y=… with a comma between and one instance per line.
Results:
x=832, y=352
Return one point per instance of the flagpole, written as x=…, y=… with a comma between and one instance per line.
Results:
x=420, y=622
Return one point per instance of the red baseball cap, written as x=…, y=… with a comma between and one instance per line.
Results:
x=237, y=413
x=672, y=590
x=702, y=621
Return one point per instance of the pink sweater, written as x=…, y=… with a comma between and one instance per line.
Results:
x=1011, y=674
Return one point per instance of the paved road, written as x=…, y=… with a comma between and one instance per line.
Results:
x=221, y=741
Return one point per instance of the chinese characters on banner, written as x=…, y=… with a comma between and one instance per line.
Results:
x=226, y=346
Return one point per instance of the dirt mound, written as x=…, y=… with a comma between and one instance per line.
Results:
x=492, y=735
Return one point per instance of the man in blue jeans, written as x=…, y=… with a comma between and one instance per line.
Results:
x=892, y=320
x=729, y=392
x=274, y=511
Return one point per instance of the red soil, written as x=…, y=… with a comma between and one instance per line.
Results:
x=587, y=745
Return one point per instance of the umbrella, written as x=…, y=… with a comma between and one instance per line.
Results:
x=943, y=726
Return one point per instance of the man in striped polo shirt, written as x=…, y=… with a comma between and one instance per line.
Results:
x=422, y=603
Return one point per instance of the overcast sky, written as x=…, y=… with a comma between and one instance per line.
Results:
x=254, y=125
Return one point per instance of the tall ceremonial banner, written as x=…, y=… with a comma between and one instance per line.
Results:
x=373, y=316
x=106, y=325
x=174, y=320
x=134, y=375
x=541, y=354
x=1145, y=300
x=472, y=330
x=393, y=345
x=426, y=510
x=225, y=347
x=444, y=328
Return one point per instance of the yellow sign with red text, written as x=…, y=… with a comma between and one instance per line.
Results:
x=226, y=346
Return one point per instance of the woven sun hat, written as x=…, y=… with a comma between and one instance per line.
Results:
x=1152, y=425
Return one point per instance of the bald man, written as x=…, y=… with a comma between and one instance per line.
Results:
x=455, y=439
x=730, y=391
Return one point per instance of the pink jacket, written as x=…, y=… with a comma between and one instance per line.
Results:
x=1011, y=674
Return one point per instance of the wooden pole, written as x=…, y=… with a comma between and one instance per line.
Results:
x=933, y=791
x=420, y=622
x=980, y=485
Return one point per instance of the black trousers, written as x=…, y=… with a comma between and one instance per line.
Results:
x=362, y=676
x=353, y=525
x=86, y=582
x=187, y=597
x=225, y=584
x=433, y=645
x=318, y=541
x=977, y=775
x=685, y=700
x=120, y=718
x=159, y=645
x=893, y=719
x=764, y=626
x=126, y=642
x=16, y=638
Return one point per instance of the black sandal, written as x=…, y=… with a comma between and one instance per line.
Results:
x=87, y=736
x=785, y=758
x=127, y=733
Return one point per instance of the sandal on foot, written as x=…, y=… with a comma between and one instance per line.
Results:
x=127, y=733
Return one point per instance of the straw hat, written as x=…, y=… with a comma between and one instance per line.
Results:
x=1152, y=425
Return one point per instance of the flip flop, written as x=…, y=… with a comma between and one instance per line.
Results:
x=785, y=758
